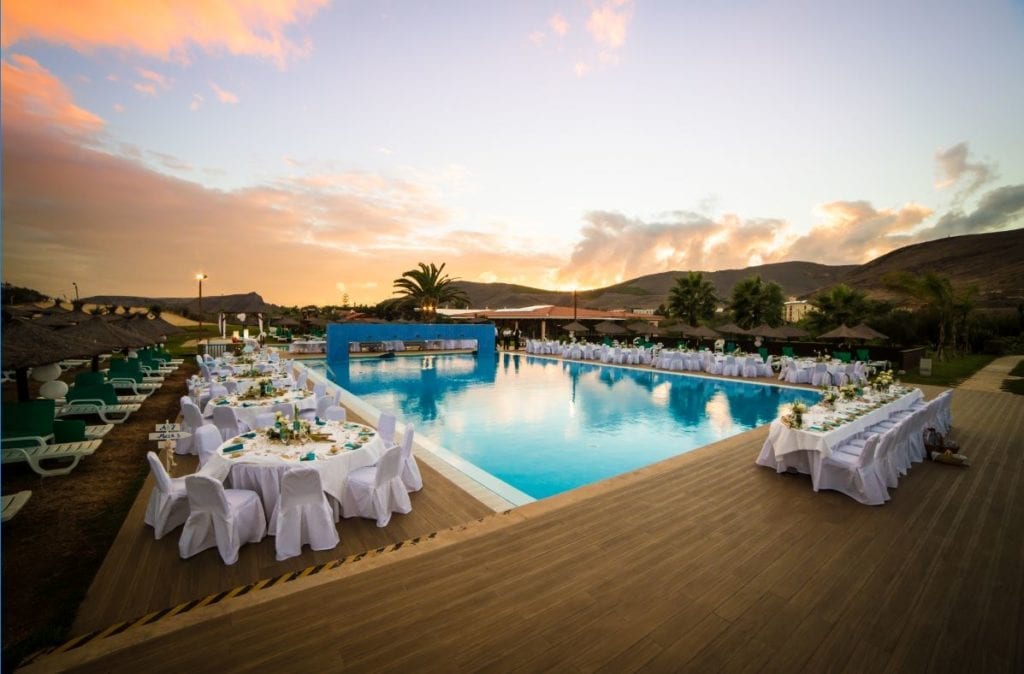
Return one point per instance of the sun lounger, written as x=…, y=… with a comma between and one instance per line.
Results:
x=12, y=504
x=137, y=388
x=41, y=451
x=111, y=414
x=98, y=431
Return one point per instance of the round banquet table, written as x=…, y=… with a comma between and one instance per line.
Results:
x=261, y=462
x=246, y=409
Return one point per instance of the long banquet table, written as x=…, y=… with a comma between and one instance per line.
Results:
x=802, y=449
x=254, y=461
x=246, y=409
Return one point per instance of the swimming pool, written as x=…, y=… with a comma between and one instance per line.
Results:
x=545, y=426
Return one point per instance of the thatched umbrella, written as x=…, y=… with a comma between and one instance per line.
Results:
x=765, y=330
x=791, y=331
x=144, y=327
x=575, y=326
x=167, y=328
x=732, y=329
x=26, y=345
x=642, y=328
x=700, y=331
x=103, y=336
x=842, y=332
x=609, y=328
x=865, y=331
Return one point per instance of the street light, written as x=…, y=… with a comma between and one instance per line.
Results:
x=76, y=290
x=199, y=277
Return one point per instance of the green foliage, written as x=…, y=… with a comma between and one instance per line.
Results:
x=755, y=302
x=949, y=372
x=693, y=298
x=12, y=294
x=1018, y=370
x=835, y=306
x=425, y=288
x=1014, y=386
x=935, y=293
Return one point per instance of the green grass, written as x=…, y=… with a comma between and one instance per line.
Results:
x=1014, y=386
x=1018, y=370
x=949, y=372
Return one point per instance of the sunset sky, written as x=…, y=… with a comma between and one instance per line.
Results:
x=304, y=149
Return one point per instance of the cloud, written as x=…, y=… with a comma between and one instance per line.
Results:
x=609, y=23
x=851, y=232
x=164, y=30
x=953, y=166
x=559, y=26
x=118, y=107
x=580, y=68
x=153, y=82
x=1001, y=208
x=33, y=97
x=223, y=95
x=537, y=37
x=197, y=102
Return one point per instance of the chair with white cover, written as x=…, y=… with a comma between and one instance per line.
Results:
x=855, y=474
x=264, y=420
x=302, y=515
x=218, y=390
x=335, y=413
x=820, y=376
x=193, y=421
x=731, y=367
x=168, y=502
x=286, y=409
x=386, y=428
x=749, y=367
x=301, y=378
x=411, y=477
x=226, y=422
x=319, y=389
x=225, y=518
x=207, y=439
x=374, y=492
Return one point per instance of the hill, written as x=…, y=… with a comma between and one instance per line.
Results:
x=647, y=292
x=247, y=302
x=994, y=263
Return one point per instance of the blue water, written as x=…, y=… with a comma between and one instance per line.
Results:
x=546, y=426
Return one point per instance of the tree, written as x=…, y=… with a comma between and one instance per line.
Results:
x=935, y=293
x=156, y=310
x=427, y=288
x=692, y=298
x=837, y=305
x=755, y=302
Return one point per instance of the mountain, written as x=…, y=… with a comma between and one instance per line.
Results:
x=993, y=263
x=647, y=292
x=247, y=302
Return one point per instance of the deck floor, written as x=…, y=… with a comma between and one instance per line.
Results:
x=702, y=562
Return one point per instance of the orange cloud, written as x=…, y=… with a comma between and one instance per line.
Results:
x=165, y=30
x=223, y=95
x=558, y=25
x=609, y=23
x=33, y=97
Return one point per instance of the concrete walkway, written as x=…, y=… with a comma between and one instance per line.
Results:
x=990, y=378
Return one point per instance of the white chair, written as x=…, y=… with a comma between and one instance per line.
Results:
x=302, y=515
x=226, y=422
x=731, y=367
x=749, y=367
x=168, y=502
x=855, y=474
x=411, y=477
x=264, y=420
x=286, y=409
x=386, y=428
x=374, y=492
x=207, y=440
x=820, y=376
x=319, y=389
x=225, y=518
x=301, y=378
x=193, y=419
x=335, y=413
x=218, y=390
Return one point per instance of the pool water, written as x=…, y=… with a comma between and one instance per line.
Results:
x=546, y=426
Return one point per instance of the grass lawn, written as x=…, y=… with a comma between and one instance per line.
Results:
x=949, y=372
x=1018, y=370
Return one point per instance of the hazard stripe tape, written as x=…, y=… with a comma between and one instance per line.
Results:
x=216, y=598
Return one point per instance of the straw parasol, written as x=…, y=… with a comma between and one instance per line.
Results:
x=842, y=332
x=575, y=326
x=643, y=328
x=865, y=331
x=609, y=328
x=26, y=345
x=791, y=331
x=167, y=328
x=732, y=329
x=765, y=330
x=700, y=331
x=103, y=336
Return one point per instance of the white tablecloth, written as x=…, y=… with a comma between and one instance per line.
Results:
x=261, y=463
x=308, y=346
x=802, y=449
x=246, y=410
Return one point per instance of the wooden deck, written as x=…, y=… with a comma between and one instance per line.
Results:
x=703, y=562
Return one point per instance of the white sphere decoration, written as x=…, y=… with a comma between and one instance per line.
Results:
x=44, y=373
x=54, y=389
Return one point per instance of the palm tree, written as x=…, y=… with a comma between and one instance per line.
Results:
x=755, y=302
x=935, y=293
x=427, y=288
x=837, y=305
x=692, y=298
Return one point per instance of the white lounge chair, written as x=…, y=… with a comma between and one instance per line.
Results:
x=13, y=504
x=111, y=414
x=35, y=454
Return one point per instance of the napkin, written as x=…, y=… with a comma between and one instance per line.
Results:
x=308, y=457
x=222, y=402
x=233, y=448
x=250, y=434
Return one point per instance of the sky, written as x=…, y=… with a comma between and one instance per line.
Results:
x=313, y=150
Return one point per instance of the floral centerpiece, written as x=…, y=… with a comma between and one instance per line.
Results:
x=795, y=418
x=849, y=391
x=829, y=396
x=882, y=381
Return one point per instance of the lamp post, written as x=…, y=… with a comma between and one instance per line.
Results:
x=199, y=277
x=76, y=290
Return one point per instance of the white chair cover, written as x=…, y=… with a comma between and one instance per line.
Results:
x=386, y=428
x=335, y=413
x=411, y=477
x=225, y=518
x=820, y=376
x=286, y=409
x=302, y=515
x=168, y=503
x=264, y=420
x=375, y=492
x=207, y=440
x=855, y=474
x=225, y=421
x=193, y=421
